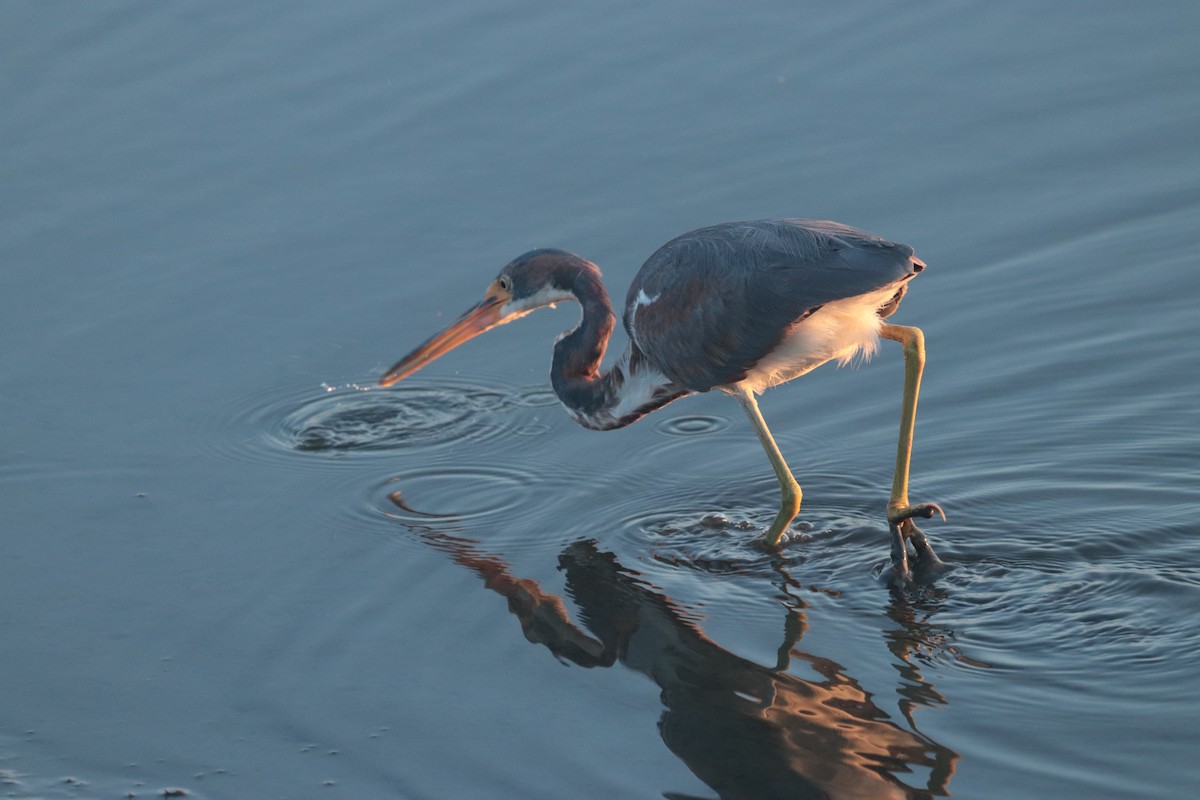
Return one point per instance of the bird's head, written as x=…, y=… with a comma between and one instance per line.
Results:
x=534, y=280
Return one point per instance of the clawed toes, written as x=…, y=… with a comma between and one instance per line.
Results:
x=913, y=559
x=922, y=510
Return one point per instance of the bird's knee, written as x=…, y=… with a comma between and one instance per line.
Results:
x=790, y=501
x=907, y=335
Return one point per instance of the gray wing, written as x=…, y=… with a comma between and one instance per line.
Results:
x=708, y=305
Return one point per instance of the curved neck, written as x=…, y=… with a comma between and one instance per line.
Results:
x=575, y=372
x=630, y=389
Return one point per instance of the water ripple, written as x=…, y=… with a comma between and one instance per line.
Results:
x=721, y=533
x=406, y=417
x=463, y=494
x=692, y=425
x=536, y=397
x=335, y=423
x=1053, y=614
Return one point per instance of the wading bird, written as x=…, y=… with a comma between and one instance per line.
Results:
x=736, y=307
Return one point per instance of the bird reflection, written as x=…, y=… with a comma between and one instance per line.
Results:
x=746, y=730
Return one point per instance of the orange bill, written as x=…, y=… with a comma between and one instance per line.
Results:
x=480, y=318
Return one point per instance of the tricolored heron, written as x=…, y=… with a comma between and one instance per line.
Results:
x=736, y=307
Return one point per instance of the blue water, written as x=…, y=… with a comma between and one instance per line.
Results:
x=232, y=566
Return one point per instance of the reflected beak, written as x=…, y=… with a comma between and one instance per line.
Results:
x=482, y=317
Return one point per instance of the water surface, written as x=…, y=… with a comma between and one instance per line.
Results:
x=234, y=567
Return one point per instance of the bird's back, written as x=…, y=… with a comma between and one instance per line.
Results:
x=710, y=304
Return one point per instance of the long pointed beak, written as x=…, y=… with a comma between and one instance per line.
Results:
x=481, y=317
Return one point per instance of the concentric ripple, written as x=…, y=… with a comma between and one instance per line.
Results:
x=837, y=541
x=721, y=542
x=691, y=425
x=339, y=422
x=366, y=421
x=536, y=397
x=450, y=492
x=500, y=505
x=713, y=530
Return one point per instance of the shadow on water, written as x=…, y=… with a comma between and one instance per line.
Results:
x=746, y=730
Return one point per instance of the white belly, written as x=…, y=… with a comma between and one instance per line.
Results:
x=839, y=330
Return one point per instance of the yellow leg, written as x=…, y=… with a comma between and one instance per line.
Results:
x=899, y=513
x=790, y=490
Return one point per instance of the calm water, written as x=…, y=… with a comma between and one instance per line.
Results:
x=231, y=567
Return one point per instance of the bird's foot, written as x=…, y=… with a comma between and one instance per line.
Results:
x=922, y=565
x=899, y=513
x=776, y=535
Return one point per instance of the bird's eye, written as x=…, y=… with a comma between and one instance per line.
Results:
x=505, y=283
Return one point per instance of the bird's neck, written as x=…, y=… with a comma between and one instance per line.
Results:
x=615, y=397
